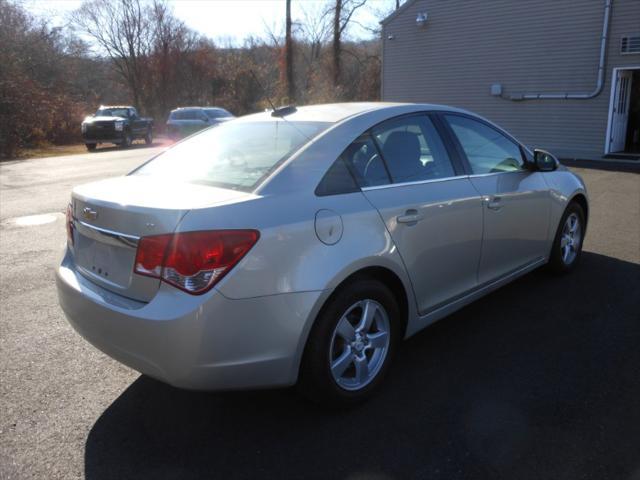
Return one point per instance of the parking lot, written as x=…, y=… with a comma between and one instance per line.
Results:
x=540, y=379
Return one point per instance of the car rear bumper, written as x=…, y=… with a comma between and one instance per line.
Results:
x=206, y=342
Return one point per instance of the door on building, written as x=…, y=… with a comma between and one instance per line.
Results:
x=624, y=125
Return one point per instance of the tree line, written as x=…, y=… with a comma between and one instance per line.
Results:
x=138, y=52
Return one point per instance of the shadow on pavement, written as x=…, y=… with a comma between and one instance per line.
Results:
x=627, y=166
x=540, y=379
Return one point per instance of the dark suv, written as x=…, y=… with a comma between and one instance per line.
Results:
x=120, y=125
x=184, y=121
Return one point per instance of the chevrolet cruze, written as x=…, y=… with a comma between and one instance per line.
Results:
x=300, y=246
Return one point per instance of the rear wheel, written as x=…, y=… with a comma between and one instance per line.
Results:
x=148, y=138
x=351, y=344
x=567, y=246
x=90, y=146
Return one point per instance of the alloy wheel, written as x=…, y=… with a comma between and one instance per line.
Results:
x=570, y=239
x=359, y=345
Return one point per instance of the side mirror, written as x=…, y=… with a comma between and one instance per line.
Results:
x=544, y=161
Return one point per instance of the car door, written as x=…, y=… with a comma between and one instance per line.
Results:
x=515, y=198
x=430, y=208
x=137, y=125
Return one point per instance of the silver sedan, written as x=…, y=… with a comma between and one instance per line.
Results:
x=302, y=245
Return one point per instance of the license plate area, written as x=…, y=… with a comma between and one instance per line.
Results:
x=104, y=262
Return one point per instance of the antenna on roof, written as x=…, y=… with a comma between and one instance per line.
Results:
x=276, y=112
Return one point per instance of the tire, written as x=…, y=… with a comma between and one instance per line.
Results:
x=567, y=246
x=126, y=141
x=91, y=146
x=148, y=138
x=326, y=345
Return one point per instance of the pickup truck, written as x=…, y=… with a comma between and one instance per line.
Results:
x=116, y=124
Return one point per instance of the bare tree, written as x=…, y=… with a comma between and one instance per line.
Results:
x=315, y=28
x=343, y=11
x=122, y=30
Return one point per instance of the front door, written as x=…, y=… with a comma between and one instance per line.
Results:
x=515, y=199
x=620, y=115
x=431, y=210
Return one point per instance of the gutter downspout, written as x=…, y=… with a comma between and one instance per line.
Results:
x=601, y=68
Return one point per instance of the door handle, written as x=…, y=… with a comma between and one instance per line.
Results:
x=410, y=217
x=494, y=203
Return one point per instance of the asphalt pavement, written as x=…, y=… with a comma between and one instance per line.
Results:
x=539, y=380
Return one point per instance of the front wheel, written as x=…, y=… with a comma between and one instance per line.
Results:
x=90, y=146
x=126, y=141
x=567, y=245
x=351, y=344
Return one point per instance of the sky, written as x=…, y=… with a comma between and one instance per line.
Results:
x=231, y=21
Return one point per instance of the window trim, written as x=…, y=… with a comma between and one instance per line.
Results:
x=458, y=146
x=417, y=182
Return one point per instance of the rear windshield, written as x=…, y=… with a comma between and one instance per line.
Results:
x=236, y=155
x=112, y=112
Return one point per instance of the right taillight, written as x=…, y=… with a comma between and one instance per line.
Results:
x=193, y=261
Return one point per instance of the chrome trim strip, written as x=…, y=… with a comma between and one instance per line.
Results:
x=106, y=236
x=418, y=182
x=477, y=175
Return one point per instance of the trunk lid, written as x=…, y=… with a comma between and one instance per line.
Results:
x=111, y=215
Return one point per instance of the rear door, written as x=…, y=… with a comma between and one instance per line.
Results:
x=516, y=199
x=429, y=206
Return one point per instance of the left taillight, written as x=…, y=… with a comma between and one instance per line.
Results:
x=69, y=222
x=193, y=261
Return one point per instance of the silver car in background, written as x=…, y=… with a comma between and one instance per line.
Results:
x=301, y=245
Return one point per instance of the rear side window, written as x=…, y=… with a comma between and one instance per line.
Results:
x=337, y=180
x=487, y=150
x=364, y=161
x=216, y=113
x=193, y=115
x=412, y=149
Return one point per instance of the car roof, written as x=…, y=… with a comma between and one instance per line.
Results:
x=336, y=112
x=199, y=108
x=115, y=106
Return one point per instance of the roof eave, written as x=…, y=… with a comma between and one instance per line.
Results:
x=397, y=12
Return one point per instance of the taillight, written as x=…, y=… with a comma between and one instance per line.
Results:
x=69, y=222
x=193, y=261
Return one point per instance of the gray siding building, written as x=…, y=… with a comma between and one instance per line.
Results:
x=539, y=68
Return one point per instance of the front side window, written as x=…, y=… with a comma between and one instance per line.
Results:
x=236, y=155
x=487, y=150
x=412, y=149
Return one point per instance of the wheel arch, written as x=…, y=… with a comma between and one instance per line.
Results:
x=581, y=200
x=386, y=276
